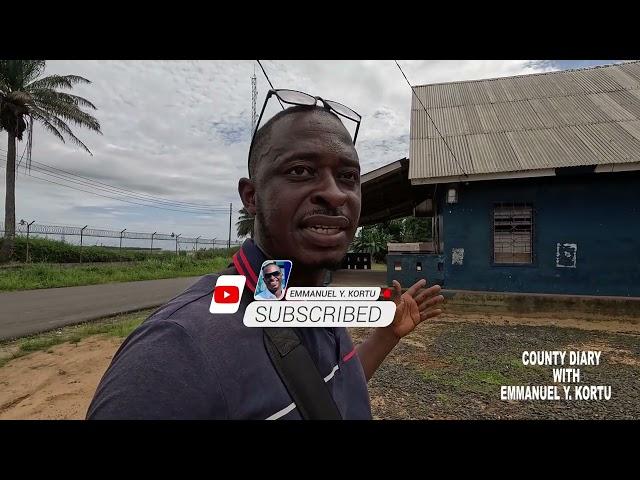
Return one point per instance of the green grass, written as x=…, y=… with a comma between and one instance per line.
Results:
x=379, y=267
x=34, y=276
x=470, y=369
x=119, y=326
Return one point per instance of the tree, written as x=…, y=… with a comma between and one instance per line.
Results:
x=27, y=97
x=393, y=228
x=372, y=239
x=245, y=224
x=417, y=230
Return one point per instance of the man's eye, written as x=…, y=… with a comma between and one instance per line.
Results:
x=300, y=171
x=351, y=176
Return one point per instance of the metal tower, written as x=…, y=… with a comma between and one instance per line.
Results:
x=254, y=97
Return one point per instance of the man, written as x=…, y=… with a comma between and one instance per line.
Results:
x=272, y=277
x=185, y=363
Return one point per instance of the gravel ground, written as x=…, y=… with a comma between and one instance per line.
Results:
x=454, y=370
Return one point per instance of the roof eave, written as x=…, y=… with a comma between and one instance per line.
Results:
x=547, y=172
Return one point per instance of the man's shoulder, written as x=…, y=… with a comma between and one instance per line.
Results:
x=190, y=310
x=200, y=292
x=266, y=294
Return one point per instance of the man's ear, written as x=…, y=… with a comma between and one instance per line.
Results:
x=247, y=191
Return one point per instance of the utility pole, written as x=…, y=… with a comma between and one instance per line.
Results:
x=230, y=209
x=152, y=235
x=197, y=243
x=177, y=243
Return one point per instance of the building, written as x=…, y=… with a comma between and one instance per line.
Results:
x=535, y=187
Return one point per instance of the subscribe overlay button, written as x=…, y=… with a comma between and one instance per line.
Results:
x=319, y=314
x=227, y=294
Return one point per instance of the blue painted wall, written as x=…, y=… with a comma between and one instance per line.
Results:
x=598, y=212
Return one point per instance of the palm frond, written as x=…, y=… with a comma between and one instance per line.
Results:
x=44, y=119
x=60, y=124
x=4, y=86
x=245, y=224
x=68, y=112
x=61, y=128
x=57, y=81
x=15, y=74
x=32, y=69
x=45, y=94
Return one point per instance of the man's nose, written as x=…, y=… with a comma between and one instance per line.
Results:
x=329, y=193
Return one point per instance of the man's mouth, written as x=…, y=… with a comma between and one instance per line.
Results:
x=326, y=230
x=327, y=224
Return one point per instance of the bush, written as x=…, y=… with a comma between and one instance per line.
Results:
x=215, y=252
x=54, y=251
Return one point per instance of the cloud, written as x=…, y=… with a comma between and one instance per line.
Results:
x=181, y=130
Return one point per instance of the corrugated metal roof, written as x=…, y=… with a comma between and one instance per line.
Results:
x=528, y=122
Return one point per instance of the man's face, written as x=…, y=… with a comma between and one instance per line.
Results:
x=272, y=277
x=307, y=190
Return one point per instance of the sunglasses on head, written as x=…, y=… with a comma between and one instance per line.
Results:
x=294, y=97
x=271, y=274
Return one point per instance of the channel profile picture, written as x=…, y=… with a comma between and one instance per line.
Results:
x=272, y=282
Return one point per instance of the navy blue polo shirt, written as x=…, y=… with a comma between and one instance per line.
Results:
x=185, y=363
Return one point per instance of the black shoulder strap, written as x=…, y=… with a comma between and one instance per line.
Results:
x=300, y=375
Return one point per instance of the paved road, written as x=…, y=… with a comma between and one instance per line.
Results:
x=32, y=311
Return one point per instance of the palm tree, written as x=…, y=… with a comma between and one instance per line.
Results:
x=27, y=97
x=245, y=224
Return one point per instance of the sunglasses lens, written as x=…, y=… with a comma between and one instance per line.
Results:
x=343, y=110
x=296, y=98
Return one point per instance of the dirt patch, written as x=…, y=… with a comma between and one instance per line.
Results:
x=610, y=353
x=460, y=373
x=56, y=385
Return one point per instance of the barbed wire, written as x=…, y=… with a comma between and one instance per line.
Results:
x=44, y=229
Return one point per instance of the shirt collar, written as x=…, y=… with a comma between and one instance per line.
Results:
x=248, y=260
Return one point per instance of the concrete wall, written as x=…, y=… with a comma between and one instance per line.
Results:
x=409, y=268
x=600, y=213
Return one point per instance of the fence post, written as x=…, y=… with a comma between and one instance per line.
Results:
x=152, y=235
x=121, y=235
x=230, y=209
x=81, y=232
x=197, y=243
x=28, y=228
x=177, y=243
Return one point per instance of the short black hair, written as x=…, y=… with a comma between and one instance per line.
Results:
x=272, y=262
x=263, y=135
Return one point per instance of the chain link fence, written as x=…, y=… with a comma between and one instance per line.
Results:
x=122, y=239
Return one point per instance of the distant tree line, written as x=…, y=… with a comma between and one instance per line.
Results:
x=373, y=239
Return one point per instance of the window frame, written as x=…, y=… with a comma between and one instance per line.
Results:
x=492, y=259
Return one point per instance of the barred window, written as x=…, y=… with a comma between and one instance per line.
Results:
x=513, y=233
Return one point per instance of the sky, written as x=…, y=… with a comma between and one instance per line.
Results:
x=180, y=130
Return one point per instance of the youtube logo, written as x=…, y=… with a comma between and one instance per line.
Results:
x=227, y=294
